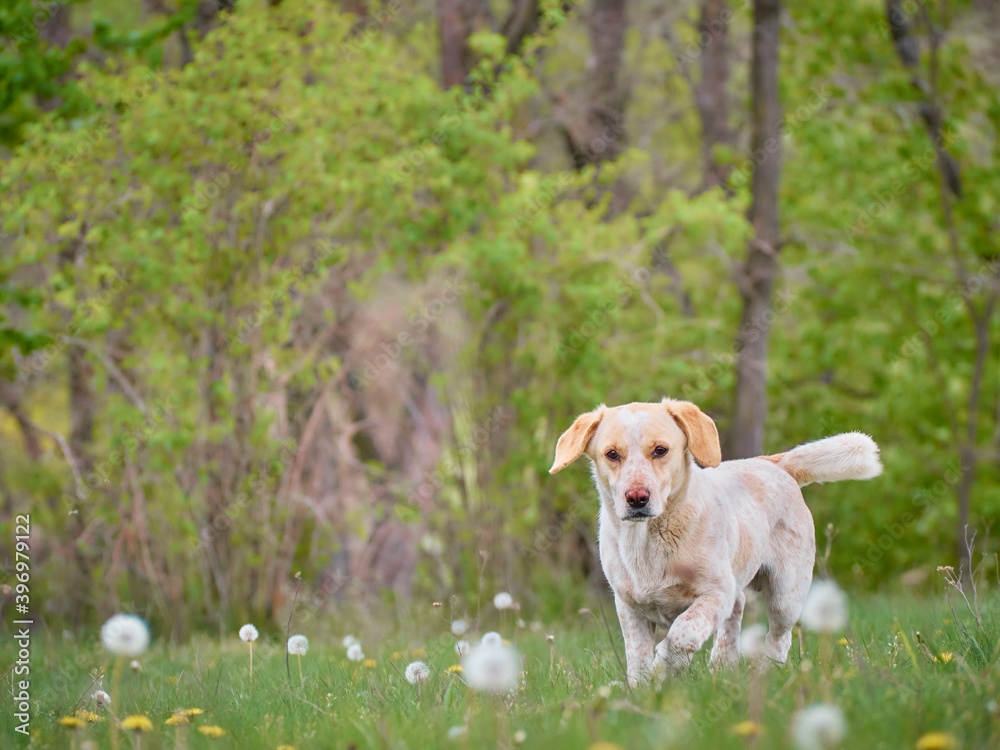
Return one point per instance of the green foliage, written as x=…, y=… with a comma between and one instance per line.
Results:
x=217, y=217
x=905, y=671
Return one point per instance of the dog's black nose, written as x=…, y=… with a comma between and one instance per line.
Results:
x=637, y=498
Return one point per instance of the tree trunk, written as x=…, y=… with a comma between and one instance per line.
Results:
x=713, y=28
x=757, y=274
x=457, y=21
x=593, y=122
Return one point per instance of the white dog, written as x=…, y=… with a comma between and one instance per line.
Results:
x=680, y=542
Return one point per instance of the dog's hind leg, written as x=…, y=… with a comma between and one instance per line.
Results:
x=726, y=649
x=785, y=586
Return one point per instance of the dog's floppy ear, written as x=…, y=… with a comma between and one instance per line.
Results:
x=574, y=441
x=702, y=436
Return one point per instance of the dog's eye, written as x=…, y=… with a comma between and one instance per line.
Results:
x=659, y=451
x=612, y=455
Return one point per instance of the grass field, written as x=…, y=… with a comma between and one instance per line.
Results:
x=907, y=669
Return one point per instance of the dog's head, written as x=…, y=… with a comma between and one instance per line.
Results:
x=640, y=452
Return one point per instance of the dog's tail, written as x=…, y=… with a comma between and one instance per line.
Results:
x=852, y=455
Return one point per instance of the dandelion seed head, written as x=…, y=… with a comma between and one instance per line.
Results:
x=298, y=645
x=459, y=627
x=492, y=669
x=819, y=727
x=350, y=640
x=825, y=608
x=101, y=698
x=456, y=732
x=125, y=635
x=752, y=641
x=248, y=633
x=416, y=672
x=462, y=647
x=492, y=640
x=354, y=652
x=503, y=600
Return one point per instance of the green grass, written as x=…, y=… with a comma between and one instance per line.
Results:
x=890, y=689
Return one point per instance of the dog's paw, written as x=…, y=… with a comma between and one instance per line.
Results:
x=669, y=659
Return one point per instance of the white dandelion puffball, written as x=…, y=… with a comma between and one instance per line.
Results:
x=350, y=640
x=101, y=698
x=248, y=633
x=752, y=641
x=825, y=608
x=819, y=727
x=459, y=627
x=493, y=669
x=503, y=600
x=298, y=645
x=125, y=635
x=456, y=732
x=520, y=737
x=354, y=652
x=416, y=672
x=135, y=666
x=462, y=648
x=492, y=640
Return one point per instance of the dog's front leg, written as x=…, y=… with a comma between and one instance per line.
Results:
x=689, y=632
x=640, y=638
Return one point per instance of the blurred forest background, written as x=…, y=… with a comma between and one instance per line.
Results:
x=315, y=286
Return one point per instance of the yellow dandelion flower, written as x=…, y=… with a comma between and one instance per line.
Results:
x=844, y=642
x=605, y=746
x=418, y=652
x=89, y=716
x=937, y=741
x=72, y=722
x=285, y=747
x=946, y=657
x=189, y=712
x=455, y=669
x=171, y=679
x=212, y=731
x=396, y=655
x=747, y=729
x=945, y=621
x=370, y=663
x=176, y=719
x=137, y=723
